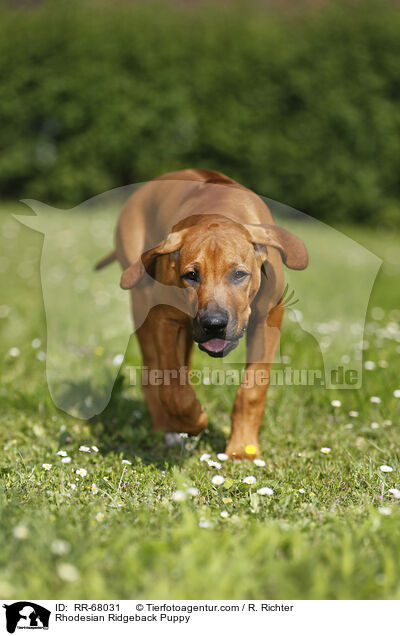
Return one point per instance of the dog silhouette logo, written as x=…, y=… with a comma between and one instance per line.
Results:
x=327, y=302
x=26, y=615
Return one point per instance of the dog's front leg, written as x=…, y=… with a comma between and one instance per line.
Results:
x=174, y=340
x=262, y=342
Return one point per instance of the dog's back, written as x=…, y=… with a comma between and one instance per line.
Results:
x=151, y=212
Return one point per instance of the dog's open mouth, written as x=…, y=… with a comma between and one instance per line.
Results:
x=218, y=347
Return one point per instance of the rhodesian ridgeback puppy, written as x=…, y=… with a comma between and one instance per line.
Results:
x=203, y=260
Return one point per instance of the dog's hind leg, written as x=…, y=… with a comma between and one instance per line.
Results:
x=262, y=342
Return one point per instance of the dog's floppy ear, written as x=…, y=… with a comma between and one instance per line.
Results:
x=293, y=251
x=132, y=275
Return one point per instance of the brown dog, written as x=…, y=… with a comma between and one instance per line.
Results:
x=194, y=246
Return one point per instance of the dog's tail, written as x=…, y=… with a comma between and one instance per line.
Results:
x=110, y=258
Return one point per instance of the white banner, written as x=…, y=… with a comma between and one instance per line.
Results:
x=166, y=617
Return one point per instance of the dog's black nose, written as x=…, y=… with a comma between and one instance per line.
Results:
x=214, y=322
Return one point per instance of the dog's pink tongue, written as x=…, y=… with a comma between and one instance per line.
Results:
x=215, y=345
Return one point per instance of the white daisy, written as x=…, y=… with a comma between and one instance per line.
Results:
x=99, y=516
x=62, y=453
x=193, y=492
x=259, y=462
x=302, y=491
x=336, y=403
x=66, y=460
x=96, y=450
x=179, y=495
x=386, y=469
x=395, y=492
x=84, y=449
x=218, y=480
x=126, y=461
x=47, y=466
x=82, y=472
x=384, y=510
x=118, y=360
x=265, y=491
x=369, y=365
x=224, y=514
x=325, y=450
x=21, y=532
x=205, y=457
x=213, y=464
x=94, y=489
x=222, y=457
x=59, y=546
x=375, y=399
x=171, y=439
x=249, y=480
x=396, y=393
x=68, y=572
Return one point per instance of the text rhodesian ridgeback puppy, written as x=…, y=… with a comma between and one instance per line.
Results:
x=203, y=260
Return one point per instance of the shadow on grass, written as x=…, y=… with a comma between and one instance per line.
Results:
x=125, y=427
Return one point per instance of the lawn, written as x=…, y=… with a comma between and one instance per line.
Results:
x=144, y=519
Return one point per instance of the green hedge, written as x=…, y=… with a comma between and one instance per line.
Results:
x=304, y=108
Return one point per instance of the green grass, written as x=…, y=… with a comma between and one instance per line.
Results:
x=333, y=541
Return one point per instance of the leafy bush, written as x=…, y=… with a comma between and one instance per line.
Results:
x=302, y=108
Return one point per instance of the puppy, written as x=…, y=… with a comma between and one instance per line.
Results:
x=203, y=260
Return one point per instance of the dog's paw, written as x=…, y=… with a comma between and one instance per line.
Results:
x=202, y=421
x=186, y=414
x=239, y=449
x=192, y=425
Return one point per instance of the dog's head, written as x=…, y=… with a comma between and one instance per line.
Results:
x=219, y=261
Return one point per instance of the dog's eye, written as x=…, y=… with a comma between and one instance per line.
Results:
x=191, y=276
x=240, y=275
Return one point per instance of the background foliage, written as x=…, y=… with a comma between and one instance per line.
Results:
x=302, y=107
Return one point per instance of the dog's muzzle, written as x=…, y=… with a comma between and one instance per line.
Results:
x=212, y=334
